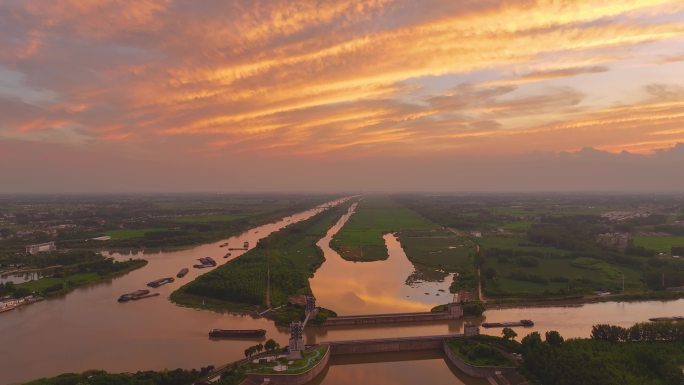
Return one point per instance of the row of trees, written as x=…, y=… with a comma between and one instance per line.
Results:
x=97, y=377
x=286, y=254
x=600, y=362
x=270, y=346
x=641, y=332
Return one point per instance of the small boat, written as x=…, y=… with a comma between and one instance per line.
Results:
x=207, y=261
x=200, y=266
x=160, y=282
x=236, y=333
x=245, y=245
x=182, y=272
x=223, y=244
x=210, y=261
x=227, y=255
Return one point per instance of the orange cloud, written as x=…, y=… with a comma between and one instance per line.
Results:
x=339, y=76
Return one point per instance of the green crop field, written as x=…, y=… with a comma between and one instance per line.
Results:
x=440, y=249
x=555, y=275
x=517, y=243
x=660, y=244
x=361, y=238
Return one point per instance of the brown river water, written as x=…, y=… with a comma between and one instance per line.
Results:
x=88, y=329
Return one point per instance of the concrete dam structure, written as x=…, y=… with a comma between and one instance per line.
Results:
x=455, y=311
x=383, y=345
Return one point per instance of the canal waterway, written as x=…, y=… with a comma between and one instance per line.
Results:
x=88, y=329
x=352, y=288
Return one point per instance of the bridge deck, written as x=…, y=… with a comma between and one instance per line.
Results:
x=388, y=318
x=396, y=344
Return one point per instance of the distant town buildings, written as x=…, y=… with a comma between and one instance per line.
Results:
x=41, y=247
x=621, y=216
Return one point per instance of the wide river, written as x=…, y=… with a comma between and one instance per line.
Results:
x=88, y=329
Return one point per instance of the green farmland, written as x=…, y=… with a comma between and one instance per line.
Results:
x=659, y=244
x=361, y=238
x=533, y=247
x=433, y=250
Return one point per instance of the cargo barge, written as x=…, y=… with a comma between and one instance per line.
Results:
x=244, y=333
x=182, y=272
x=160, y=282
x=661, y=319
x=209, y=261
x=205, y=262
x=134, y=295
x=523, y=322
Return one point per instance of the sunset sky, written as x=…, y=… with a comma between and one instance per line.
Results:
x=273, y=95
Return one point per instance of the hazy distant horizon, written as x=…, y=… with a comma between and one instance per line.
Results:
x=585, y=171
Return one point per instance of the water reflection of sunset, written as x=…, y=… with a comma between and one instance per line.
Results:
x=373, y=287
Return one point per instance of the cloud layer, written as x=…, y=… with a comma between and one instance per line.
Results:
x=179, y=83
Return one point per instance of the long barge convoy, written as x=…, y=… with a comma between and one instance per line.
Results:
x=523, y=322
x=160, y=282
x=666, y=319
x=136, y=295
x=236, y=333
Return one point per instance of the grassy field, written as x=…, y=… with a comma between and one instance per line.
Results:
x=438, y=248
x=361, y=238
x=290, y=255
x=659, y=244
x=516, y=243
x=537, y=270
x=559, y=276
